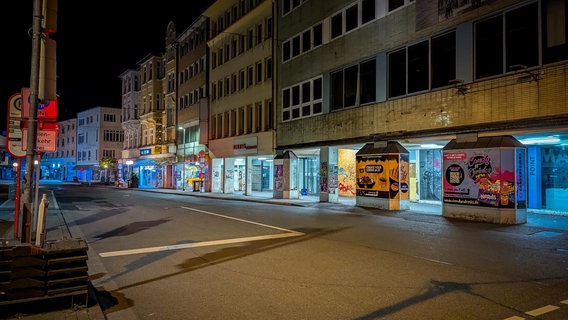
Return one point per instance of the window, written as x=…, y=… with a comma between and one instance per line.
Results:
x=505, y=42
x=268, y=67
x=395, y=4
x=418, y=67
x=443, y=60
x=295, y=46
x=306, y=40
x=249, y=76
x=521, y=36
x=259, y=38
x=397, y=73
x=258, y=72
x=554, y=30
x=302, y=100
x=367, y=10
x=286, y=51
x=368, y=81
x=351, y=18
x=337, y=25
x=337, y=90
x=318, y=35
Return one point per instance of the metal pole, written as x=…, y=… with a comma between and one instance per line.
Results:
x=17, y=200
x=183, y=166
x=32, y=121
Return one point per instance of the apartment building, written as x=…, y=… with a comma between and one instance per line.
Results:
x=99, y=134
x=130, y=84
x=155, y=164
x=241, y=111
x=422, y=74
x=188, y=120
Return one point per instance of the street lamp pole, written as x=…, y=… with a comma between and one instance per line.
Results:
x=183, y=164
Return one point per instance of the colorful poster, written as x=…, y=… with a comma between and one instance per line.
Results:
x=373, y=176
x=323, y=177
x=480, y=177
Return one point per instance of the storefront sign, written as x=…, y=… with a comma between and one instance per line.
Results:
x=144, y=152
x=245, y=146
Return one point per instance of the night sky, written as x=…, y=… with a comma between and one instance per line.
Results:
x=96, y=42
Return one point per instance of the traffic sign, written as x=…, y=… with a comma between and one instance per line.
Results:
x=45, y=111
x=14, y=133
x=46, y=138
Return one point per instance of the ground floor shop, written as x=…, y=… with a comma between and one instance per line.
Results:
x=547, y=178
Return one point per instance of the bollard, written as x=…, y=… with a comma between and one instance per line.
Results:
x=40, y=231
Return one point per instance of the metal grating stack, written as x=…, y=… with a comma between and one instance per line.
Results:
x=31, y=273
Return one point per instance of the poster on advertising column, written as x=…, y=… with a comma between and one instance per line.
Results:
x=479, y=177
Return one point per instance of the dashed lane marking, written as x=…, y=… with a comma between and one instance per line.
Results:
x=543, y=310
x=288, y=233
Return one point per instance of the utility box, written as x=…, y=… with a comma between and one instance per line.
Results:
x=382, y=176
x=484, y=179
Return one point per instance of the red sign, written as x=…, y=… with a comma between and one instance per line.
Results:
x=45, y=111
x=46, y=137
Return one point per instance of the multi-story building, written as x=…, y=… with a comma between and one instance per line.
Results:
x=422, y=73
x=154, y=167
x=99, y=134
x=187, y=57
x=241, y=116
x=130, y=80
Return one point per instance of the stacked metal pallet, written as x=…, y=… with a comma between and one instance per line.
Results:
x=27, y=272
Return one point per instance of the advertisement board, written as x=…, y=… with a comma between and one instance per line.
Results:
x=480, y=177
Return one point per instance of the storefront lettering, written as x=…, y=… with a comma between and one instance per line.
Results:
x=549, y=156
x=532, y=166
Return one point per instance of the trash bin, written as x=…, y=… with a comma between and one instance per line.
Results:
x=196, y=185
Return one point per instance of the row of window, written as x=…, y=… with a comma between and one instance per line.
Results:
x=232, y=15
x=192, y=70
x=504, y=43
x=342, y=22
x=242, y=80
x=248, y=119
x=238, y=44
x=191, y=98
x=289, y=5
x=302, y=100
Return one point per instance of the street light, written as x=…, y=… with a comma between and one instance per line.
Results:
x=183, y=165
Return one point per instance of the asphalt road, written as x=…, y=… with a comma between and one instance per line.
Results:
x=163, y=256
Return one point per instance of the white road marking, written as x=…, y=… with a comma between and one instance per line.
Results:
x=543, y=310
x=564, y=302
x=289, y=233
x=196, y=244
x=515, y=318
x=242, y=220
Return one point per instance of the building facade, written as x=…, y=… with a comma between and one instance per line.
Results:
x=422, y=73
x=154, y=166
x=130, y=83
x=99, y=135
x=191, y=113
x=241, y=111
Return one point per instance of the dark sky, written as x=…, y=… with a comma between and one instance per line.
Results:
x=96, y=41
